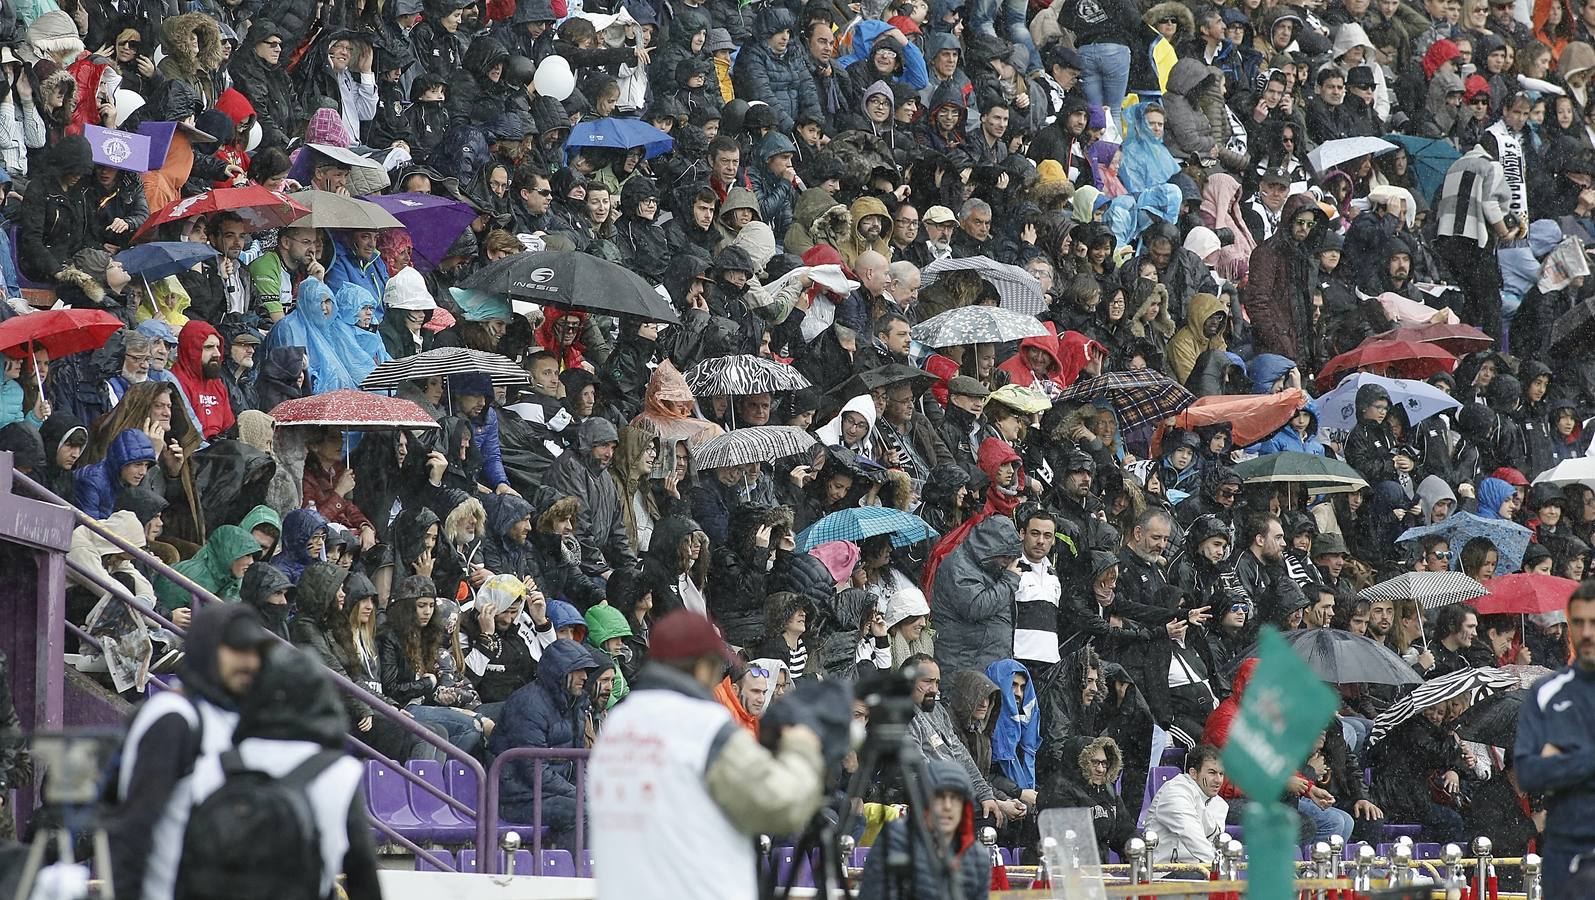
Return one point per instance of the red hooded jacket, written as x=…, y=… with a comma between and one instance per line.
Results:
x=1074, y=351
x=1017, y=368
x=569, y=357
x=1216, y=732
x=994, y=453
x=208, y=396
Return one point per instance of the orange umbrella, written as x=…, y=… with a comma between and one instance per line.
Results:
x=1252, y=417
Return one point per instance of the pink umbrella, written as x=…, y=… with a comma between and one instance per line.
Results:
x=1525, y=594
x=352, y=409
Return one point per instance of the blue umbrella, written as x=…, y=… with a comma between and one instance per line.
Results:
x=1430, y=158
x=1338, y=408
x=620, y=134
x=859, y=522
x=159, y=259
x=1511, y=540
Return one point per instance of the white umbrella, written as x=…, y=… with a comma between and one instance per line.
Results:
x=1570, y=471
x=1338, y=408
x=1330, y=154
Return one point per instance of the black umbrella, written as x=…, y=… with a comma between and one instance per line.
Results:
x=918, y=380
x=574, y=281
x=1574, y=329
x=1340, y=657
x=1492, y=720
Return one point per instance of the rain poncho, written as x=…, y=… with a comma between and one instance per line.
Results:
x=1144, y=162
x=340, y=356
x=1018, y=733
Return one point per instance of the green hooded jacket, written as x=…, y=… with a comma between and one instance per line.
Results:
x=603, y=623
x=263, y=515
x=211, y=567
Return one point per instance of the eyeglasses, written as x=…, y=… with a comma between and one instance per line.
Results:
x=1099, y=764
x=134, y=44
x=906, y=221
x=1229, y=492
x=1305, y=223
x=1480, y=101
x=543, y=192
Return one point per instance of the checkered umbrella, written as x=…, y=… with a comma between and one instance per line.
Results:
x=743, y=374
x=1138, y=397
x=764, y=443
x=859, y=522
x=445, y=361
x=1475, y=683
x=1431, y=590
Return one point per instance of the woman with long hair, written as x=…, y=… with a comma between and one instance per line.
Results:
x=158, y=409
x=408, y=655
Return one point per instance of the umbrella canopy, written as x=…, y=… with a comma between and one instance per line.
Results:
x=1580, y=469
x=156, y=260
x=883, y=376
x=445, y=361
x=1019, y=290
x=1407, y=359
x=1338, y=408
x=1492, y=720
x=619, y=134
x=1526, y=594
x=61, y=332
x=1138, y=397
x=743, y=374
x=1431, y=590
x=763, y=443
x=1252, y=417
x=859, y=522
x=1511, y=540
x=573, y=280
x=259, y=207
x=352, y=409
x=1475, y=683
x=329, y=210
x=434, y=224
x=1430, y=159
x=1340, y=657
x=1318, y=474
x=1574, y=330
x=976, y=325
x=1330, y=154
x=1459, y=339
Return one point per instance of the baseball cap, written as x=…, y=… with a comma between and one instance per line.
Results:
x=940, y=215
x=965, y=386
x=1274, y=176
x=684, y=634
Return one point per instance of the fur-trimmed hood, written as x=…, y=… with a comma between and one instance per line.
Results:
x=174, y=42
x=1187, y=26
x=72, y=276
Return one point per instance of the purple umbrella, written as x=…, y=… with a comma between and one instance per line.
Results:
x=434, y=223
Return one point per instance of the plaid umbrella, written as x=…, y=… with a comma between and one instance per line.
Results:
x=976, y=325
x=351, y=409
x=763, y=443
x=736, y=376
x=1431, y=590
x=1319, y=474
x=1019, y=290
x=1526, y=594
x=1511, y=540
x=859, y=522
x=1340, y=657
x=442, y=362
x=1138, y=397
x=1475, y=683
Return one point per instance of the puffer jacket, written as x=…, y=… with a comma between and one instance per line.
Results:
x=1114, y=823
x=1189, y=133
x=99, y=484
x=600, y=523
x=545, y=714
x=777, y=197
x=972, y=603
x=782, y=81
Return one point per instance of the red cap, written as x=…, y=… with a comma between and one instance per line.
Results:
x=1510, y=476
x=684, y=634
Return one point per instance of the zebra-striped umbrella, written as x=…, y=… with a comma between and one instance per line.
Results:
x=1431, y=590
x=445, y=361
x=764, y=443
x=1475, y=683
x=738, y=376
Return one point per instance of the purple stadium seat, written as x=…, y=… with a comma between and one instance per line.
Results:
x=387, y=799
x=1155, y=779
x=1351, y=849
x=1235, y=831
x=557, y=863
x=421, y=865
x=792, y=869
x=452, y=827
x=587, y=863
x=520, y=863
x=468, y=861
x=1392, y=832
x=462, y=787
x=860, y=854
x=1426, y=850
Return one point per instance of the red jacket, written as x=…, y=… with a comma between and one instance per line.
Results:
x=208, y=396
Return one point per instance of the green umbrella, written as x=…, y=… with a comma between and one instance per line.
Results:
x=1319, y=474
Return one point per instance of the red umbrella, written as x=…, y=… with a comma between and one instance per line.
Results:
x=1395, y=358
x=259, y=207
x=352, y=409
x=1525, y=594
x=1458, y=339
x=61, y=332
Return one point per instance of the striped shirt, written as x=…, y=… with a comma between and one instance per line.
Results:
x=1474, y=198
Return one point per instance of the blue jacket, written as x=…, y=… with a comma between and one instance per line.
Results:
x=1492, y=493
x=484, y=434
x=297, y=527
x=1018, y=733
x=11, y=400
x=865, y=31
x=1560, y=710
x=99, y=484
x=346, y=269
x=1286, y=438
x=562, y=614
x=782, y=81
x=544, y=714
x=1267, y=368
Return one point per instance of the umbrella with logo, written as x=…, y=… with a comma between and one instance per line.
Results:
x=1430, y=590
x=259, y=207
x=158, y=259
x=329, y=210
x=1401, y=358
x=1340, y=657
x=1511, y=540
x=1019, y=290
x=1525, y=594
x=1330, y=154
x=1474, y=683
x=1318, y=474
x=443, y=362
x=619, y=134
x=763, y=443
x=434, y=223
x=1338, y=408
x=976, y=325
x=1138, y=397
x=575, y=281
x=859, y=522
x=743, y=374
x=352, y=409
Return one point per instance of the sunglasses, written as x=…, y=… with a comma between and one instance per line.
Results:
x=1441, y=555
x=758, y=672
x=1240, y=607
x=1305, y=223
x=134, y=44
x=273, y=43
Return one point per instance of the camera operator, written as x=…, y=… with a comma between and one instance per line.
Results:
x=677, y=787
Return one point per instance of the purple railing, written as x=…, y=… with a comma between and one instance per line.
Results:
x=542, y=755
x=486, y=820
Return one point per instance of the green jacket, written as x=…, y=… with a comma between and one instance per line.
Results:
x=603, y=623
x=211, y=568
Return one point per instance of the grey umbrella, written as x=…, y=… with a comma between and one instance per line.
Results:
x=1019, y=290
x=976, y=325
x=1340, y=657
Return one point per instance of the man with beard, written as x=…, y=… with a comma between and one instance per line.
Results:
x=938, y=225
x=221, y=285
x=137, y=351
x=1081, y=508
x=199, y=374
x=697, y=226
x=932, y=729
x=1329, y=557
x=583, y=473
x=275, y=276
x=239, y=371
x=1141, y=575
x=1259, y=568
x=1396, y=275
x=1275, y=295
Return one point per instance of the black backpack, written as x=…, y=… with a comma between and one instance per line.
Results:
x=255, y=838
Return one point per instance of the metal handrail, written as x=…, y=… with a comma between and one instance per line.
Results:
x=542, y=755
x=379, y=705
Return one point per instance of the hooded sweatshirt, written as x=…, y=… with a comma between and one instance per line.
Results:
x=206, y=396
x=604, y=623
x=99, y=484
x=1017, y=735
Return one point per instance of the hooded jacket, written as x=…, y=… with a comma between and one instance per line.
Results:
x=1275, y=297
x=55, y=432
x=292, y=553
x=206, y=396
x=1288, y=438
x=1370, y=449
x=500, y=554
x=1017, y=735
x=210, y=568
x=606, y=623
x=182, y=63
x=1113, y=822
x=99, y=484
x=259, y=583
x=600, y=523
x=781, y=81
x=314, y=600
x=1189, y=342
x=855, y=243
x=267, y=87
x=969, y=861
x=972, y=602
x=545, y=714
